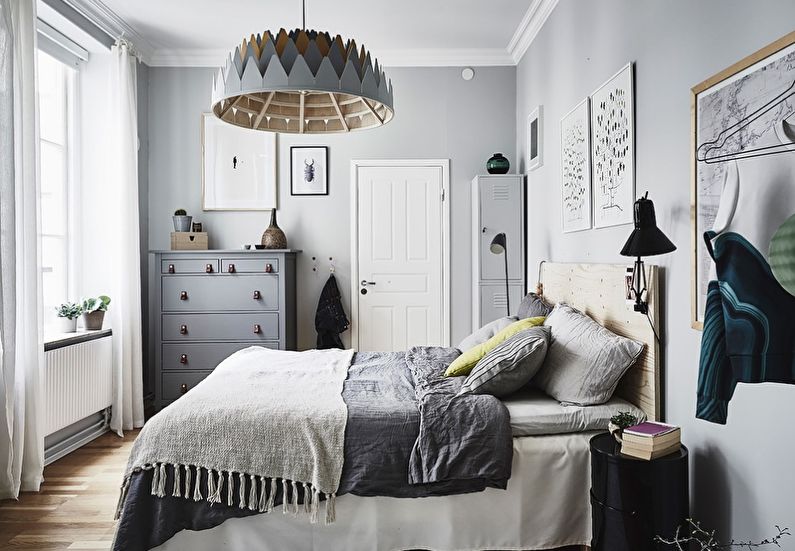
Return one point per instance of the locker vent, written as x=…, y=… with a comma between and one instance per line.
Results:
x=501, y=192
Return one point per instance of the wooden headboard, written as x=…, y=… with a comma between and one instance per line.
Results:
x=599, y=291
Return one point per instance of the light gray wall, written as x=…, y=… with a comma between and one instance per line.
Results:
x=438, y=115
x=741, y=475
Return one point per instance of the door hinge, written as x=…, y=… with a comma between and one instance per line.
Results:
x=442, y=195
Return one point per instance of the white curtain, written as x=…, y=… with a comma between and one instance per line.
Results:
x=125, y=310
x=21, y=346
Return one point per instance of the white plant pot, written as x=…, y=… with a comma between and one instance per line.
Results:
x=65, y=325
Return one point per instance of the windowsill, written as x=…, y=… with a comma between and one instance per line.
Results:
x=53, y=341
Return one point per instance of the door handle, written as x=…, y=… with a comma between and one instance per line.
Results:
x=365, y=283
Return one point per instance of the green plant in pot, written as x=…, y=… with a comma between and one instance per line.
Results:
x=181, y=220
x=94, y=309
x=619, y=422
x=67, y=314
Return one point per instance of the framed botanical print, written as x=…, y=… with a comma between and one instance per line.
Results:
x=535, y=138
x=738, y=121
x=238, y=167
x=613, y=150
x=575, y=165
x=308, y=170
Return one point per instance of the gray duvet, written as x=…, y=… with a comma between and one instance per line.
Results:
x=407, y=435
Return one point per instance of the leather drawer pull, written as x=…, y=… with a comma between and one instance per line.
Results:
x=231, y=269
x=183, y=388
x=257, y=329
x=257, y=295
x=208, y=269
x=183, y=295
x=171, y=268
x=183, y=329
x=268, y=268
x=183, y=359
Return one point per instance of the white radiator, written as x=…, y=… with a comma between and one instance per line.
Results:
x=78, y=382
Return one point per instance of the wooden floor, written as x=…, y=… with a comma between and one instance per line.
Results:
x=74, y=509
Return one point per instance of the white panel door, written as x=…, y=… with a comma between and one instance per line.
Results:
x=399, y=288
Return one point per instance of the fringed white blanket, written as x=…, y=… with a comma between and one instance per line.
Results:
x=263, y=419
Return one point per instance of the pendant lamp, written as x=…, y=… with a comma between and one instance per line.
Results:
x=302, y=82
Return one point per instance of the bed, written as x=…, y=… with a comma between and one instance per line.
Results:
x=538, y=501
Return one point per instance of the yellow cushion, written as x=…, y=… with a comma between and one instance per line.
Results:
x=464, y=363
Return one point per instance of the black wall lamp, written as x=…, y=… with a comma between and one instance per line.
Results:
x=499, y=245
x=646, y=240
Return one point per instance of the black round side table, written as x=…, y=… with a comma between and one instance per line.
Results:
x=633, y=500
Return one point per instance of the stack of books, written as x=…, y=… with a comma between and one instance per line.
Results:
x=650, y=440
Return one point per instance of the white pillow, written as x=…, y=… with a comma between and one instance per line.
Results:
x=585, y=361
x=485, y=333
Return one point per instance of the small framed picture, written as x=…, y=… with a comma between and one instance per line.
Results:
x=535, y=138
x=308, y=170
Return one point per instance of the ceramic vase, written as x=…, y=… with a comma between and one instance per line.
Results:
x=273, y=237
x=498, y=164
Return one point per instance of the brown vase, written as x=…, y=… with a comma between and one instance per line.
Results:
x=273, y=237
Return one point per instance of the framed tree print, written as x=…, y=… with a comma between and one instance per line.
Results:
x=308, y=170
x=743, y=123
x=613, y=150
x=575, y=182
x=238, y=167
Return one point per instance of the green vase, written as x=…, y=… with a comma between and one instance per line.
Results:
x=498, y=164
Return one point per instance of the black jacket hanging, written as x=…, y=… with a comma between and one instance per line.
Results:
x=330, y=318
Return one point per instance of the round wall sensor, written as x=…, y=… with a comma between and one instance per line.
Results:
x=468, y=73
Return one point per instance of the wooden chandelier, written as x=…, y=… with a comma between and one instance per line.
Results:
x=302, y=82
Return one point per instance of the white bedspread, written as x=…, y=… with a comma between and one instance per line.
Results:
x=545, y=506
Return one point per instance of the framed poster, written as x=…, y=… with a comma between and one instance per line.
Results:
x=575, y=162
x=737, y=114
x=308, y=170
x=238, y=167
x=613, y=150
x=535, y=138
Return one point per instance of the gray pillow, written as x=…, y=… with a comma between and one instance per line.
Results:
x=510, y=365
x=585, y=361
x=533, y=306
x=485, y=333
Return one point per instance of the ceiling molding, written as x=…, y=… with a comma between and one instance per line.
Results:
x=426, y=57
x=107, y=20
x=529, y=27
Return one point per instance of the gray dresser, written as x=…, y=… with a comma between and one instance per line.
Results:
x=205, y=305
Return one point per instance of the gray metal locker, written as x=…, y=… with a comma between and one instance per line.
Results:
x=498, y=206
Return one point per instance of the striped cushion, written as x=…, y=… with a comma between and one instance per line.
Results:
x=510, y=365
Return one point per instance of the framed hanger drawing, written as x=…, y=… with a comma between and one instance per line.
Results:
x=745, y=112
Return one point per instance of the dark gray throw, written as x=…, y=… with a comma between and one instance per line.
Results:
x=407, y=435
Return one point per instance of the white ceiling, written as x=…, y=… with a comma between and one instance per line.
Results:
x=398, y=32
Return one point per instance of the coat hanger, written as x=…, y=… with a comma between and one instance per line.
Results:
x=709, y=152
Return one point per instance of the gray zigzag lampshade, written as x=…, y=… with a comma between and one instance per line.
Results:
x=302, y=82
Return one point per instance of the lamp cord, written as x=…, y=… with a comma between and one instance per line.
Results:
x=654, y=329
x=303, y=14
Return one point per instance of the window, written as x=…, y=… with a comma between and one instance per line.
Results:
x=56, y=102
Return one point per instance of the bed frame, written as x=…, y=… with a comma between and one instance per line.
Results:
x=599, y=290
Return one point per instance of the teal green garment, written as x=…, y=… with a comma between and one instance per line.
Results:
x=749, y=334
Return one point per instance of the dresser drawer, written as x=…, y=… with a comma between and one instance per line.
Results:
x=250, y=265
x=189, y=266
x=201, y=356
x=222, y=327
x=192, y=293
x=172, y=383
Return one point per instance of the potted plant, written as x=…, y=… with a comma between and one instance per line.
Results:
x=94, y=309
x=181, y=220
x=67, y=314
x=619, y=422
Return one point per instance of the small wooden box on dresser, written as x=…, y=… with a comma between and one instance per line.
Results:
x=205, y=305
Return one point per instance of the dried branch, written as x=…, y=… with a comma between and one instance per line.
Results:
x=707, y=541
